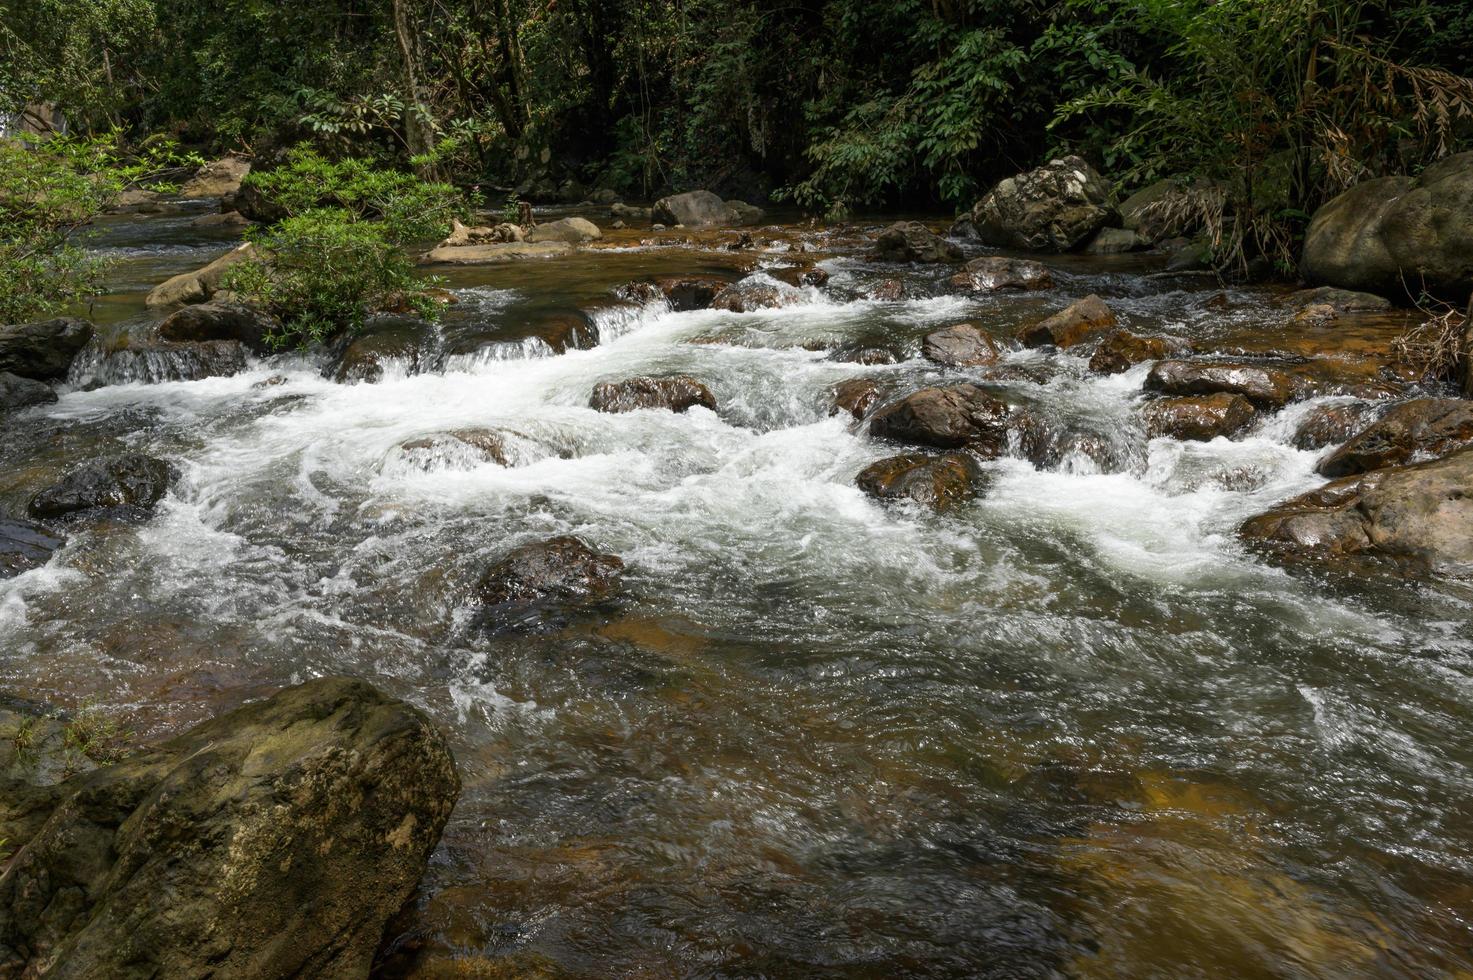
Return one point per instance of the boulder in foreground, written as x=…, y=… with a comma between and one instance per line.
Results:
x=1421, y=429
x=1074, y=324
x=948, y=418
x=273, y=841
x=1264, y=387
x=17, y=392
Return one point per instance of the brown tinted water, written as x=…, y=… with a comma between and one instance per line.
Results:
x=1070, y=729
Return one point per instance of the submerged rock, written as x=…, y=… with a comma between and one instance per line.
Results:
x=24, y=546
x=1421, y=514
x=866, y=352
x=1055, y=208
x=201, y=284
x=1426, y=428
x=43, y=350
x=886, y=291
x=17, y=392
x=1264, y=387
x=543, y=577
x=960, y=345
x=677, y=393
x=993, y=272
x=219, y=320
x=938, y=482
x=1338, y=300
x=132, y=480
x=911, y=241
x=571, y=230
x=469, y=447
x=1201, y=418
x=275, y=840
x=1072, y=325
x=855, y=396
x=1122, y=350
x=948, y=418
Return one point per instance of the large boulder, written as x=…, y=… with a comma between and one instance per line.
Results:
x=1425, y=428
x=218, y=179
x=1328, y=425
x=24, y=546
x=17, y=392
x=938, y=482
x=273, y=841
x=558, y=575
x=911, y=241
x=960, y=345
x=991, y=273
x=1199, y=417
x=677, y=393
x=1055, y=208
x=1422, y=515
x=220, y=320
x=1264, y=387
x=1076, y=323
x=43, y=350
x=132, y=480
x=574, y=231
x=201, y=284
x=948, y=418
x=1398, y=235
x=694, y=209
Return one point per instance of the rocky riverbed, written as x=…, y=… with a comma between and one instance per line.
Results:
x=793, y=600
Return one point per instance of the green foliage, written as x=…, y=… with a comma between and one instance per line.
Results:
x=94, y=735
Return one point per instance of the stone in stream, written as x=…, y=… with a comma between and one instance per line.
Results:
x=886, y=291
x=574, y=231
x=960, y=345
x=866, y=352
x=1051, y=443
x=686, y=293
x=911, y=241
x=948, y=418
x=1164, y=210
x=275, y=840
x=24, y=546
x=1076, y=323
x=224, y=221
x=132, y=480
x=1338, y=300
x=1425, y=428
x=494, y=253
x=701, y=209
x=201, y=284
x=1266, y=388
x=1054, y=208
x=855, y=396
x=561, y=574
x=1198, y=417
x=158, y=362
x=1421, y=514
x=752, y=294
x=1115, y=241
x=938, y=482
x=386, y=340
x=993, y=272
x=220, y=178
x=677, y=393
x=1328, y=425
x=17, y=392
x=220, y=320
x=43, y=350
x=1122, y=350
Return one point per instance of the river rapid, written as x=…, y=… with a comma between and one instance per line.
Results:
x=1072, y=728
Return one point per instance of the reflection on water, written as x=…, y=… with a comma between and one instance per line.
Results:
x=1070, y=729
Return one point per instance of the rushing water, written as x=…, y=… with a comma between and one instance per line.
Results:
x=1070, y=729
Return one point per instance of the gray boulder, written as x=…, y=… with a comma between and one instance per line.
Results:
x=201, y=284
x=218, y=179
x=574, y=231
x=17, y=392
x=1055, y=208
x=130, y=480
x=43, y=350
x=911, y=241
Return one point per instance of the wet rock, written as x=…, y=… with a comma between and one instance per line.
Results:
x=17, y=392
x=156, y=363
x=756, y=293
x=201, y=284
x=472, y=446
x=494, y=253
x=1122, y=350
x=864, y=352
x=1161, y=211
x=1426, y=428
x=275, y=840
x=1115, y=241
x=1338, y=300
x=220, y=320
x=638, y=292
x=627, y=212
x=993, y=272
x=1201, y=418
x=1327, y=425
x=561, y=573
x=947, y=418
x=1421, y=514
x=938, y=482
x=1055, y=208
x=224, y=221
x=462, y=235
x=571, y=230
x=386, y=341
x=131, y=480
x=43, y=350
x=1052, y=444
x=678, y=393
x=960, y=345
x=690, y=292
x=1392, y=235
x=565, y=331
x=24, y=546
x=911, y=241
x=886, y=291
x=1266, y=388
x=743, y=213
x=855, y=396
x=1072, y=325
x=220, y=178
x=139, y=200
x=700, y=209
x=1314, y=315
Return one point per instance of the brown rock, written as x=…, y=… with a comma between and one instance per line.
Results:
x=1201, y=418
x=1072, y=325
x=1264, y=387
x=1426, y=428
x=911, y=241
x=993, y=272
x=690, y=293
x=1327, y=425
x=200, y=285
x=562, y=571
x=938, y=482
x=750, y=295
x=960, y=345
x=678, y=393
x=886, y=291
x=1122, y=350
x=855, y=396
x=947, y=418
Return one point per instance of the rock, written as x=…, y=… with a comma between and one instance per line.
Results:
x=219, y=320
x=1115, y=241
x=571, y=230
x=618, y=224
x=1425, y=428
x=677, y=393
x=1072, y=325
x=961, y=345
x=1420, y=514
x=43, y=351
x=855, y=396
x=743, y=213
x=156, y=363
x=947, y=418
x=24, y=546
x=1201, y=418
x=494, y=253
x=130, y=480
x=800, y=276
x=385, y=340
x=563, y=573
x=638, y=292
x=603, y=195
x=462, y=235
x=1192, y=257
x=224, y=221
x=17, y=392
x=200, y=285
x=694, y=209
x=993, y=272
x=477, y=445
x=272, y=841
x=756, y=293
x=1328, y=425
x=1122, y=350
x=1464, y=369
x=1316, y=315
x=627, y=212
x=1265, y=387
x=1162, y=211
x=218, y=179
x=690, y=293
x=886, y=291
x=137, y=200
x=1338, y=300
x=938, y=482
x=1398, y=235
x=1055, y=208
x=911, y=241
x=866, y=352
x=251, y=202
